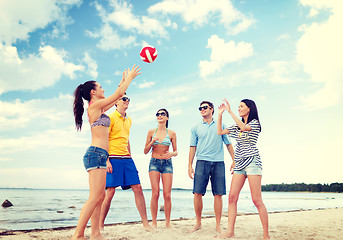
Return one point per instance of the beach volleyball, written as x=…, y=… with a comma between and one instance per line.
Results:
x=148, y=54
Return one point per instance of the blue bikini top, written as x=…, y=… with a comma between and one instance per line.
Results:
x=166, y=141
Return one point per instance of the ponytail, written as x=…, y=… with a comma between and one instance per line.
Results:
x=82, y=91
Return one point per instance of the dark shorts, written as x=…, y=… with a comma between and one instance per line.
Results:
x=161, y=165
x=94, y=158
x=205, y=171
x=124, y=173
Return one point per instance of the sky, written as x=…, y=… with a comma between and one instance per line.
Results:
x=287, y=56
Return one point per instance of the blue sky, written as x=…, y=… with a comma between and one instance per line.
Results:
x=285, y=55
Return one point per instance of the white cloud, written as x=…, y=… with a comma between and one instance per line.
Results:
x=34, y=71
x=92, y=66
x=279, y=71
x=146, y=84
x=320, y=51
x=48, y=125
x=223, y=53
x=120, y=14
x=110, y=39
x=19, y=18
x=283, y=37
x=44, y=178
x=200, y=13
x=36, y=113
x=49, y=139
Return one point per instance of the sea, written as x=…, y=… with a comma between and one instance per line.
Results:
x=53, y=208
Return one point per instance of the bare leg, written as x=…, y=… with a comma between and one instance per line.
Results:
x=167, y=181
x=141, y=207
x=106, y=206
x=237, y=183
x=95, y=223
x=198, y=210
x=218, y=208
x=256, y=195
x=97, y=182
x=155, y=194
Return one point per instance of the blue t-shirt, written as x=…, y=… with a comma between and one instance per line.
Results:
x=209, y=145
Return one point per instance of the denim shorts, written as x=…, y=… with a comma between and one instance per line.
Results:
x=124, y=173
x=94, y=158
x=251, y=169
x=207, y=170
x=161, y=165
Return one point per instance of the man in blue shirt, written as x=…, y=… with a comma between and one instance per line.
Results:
x=209, y=150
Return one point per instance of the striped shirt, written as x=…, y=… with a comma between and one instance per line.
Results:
x=245, y=149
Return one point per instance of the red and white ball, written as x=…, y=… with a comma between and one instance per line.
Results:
x=148, y=54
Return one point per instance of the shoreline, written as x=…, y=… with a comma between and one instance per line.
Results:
x=279, y=221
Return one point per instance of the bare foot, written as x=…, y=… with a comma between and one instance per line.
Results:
x=196, y=228
x=148, y=228
x=226, y=235
x=154, y=225
x=97, y=237
x=218, y=229
x=168, y=225
x=78, y=238
x=266, y=237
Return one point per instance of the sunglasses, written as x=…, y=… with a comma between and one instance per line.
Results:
x=204, y=107
x=125, y=99
x=163, y=114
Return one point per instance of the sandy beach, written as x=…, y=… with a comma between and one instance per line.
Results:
x=305, y=224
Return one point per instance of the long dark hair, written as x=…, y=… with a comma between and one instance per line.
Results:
x=165, y=110
x=82, y=91
x=253, y=114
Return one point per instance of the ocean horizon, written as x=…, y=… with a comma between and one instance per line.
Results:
x=53, y=208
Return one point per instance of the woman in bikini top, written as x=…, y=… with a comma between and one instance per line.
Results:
x=99, y=121
x=160, y=166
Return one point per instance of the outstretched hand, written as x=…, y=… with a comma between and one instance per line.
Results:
x=228, y=108
x=133, y=72
x=221, y=108
x=123, y=78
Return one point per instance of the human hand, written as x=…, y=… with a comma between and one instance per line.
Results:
x=123, y=78
x=154, y=139
x=232, y=167
x=228, y=108
x=221, y=109
x=191, y=172
x=109, y=167
x=133, y=72
x=168, y=155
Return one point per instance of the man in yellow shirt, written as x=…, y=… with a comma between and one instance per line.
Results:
x=121, y=170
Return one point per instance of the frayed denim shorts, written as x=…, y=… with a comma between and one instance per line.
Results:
x=161, y=165
x=94, y=158
x=252, y=169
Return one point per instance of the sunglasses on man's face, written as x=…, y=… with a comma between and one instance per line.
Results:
x=163, y=114
x=203, y=107
x=125, y=99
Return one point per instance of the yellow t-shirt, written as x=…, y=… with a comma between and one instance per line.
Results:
x=119, y=134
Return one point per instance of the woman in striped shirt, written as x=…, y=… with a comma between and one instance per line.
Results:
x=247, y=163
